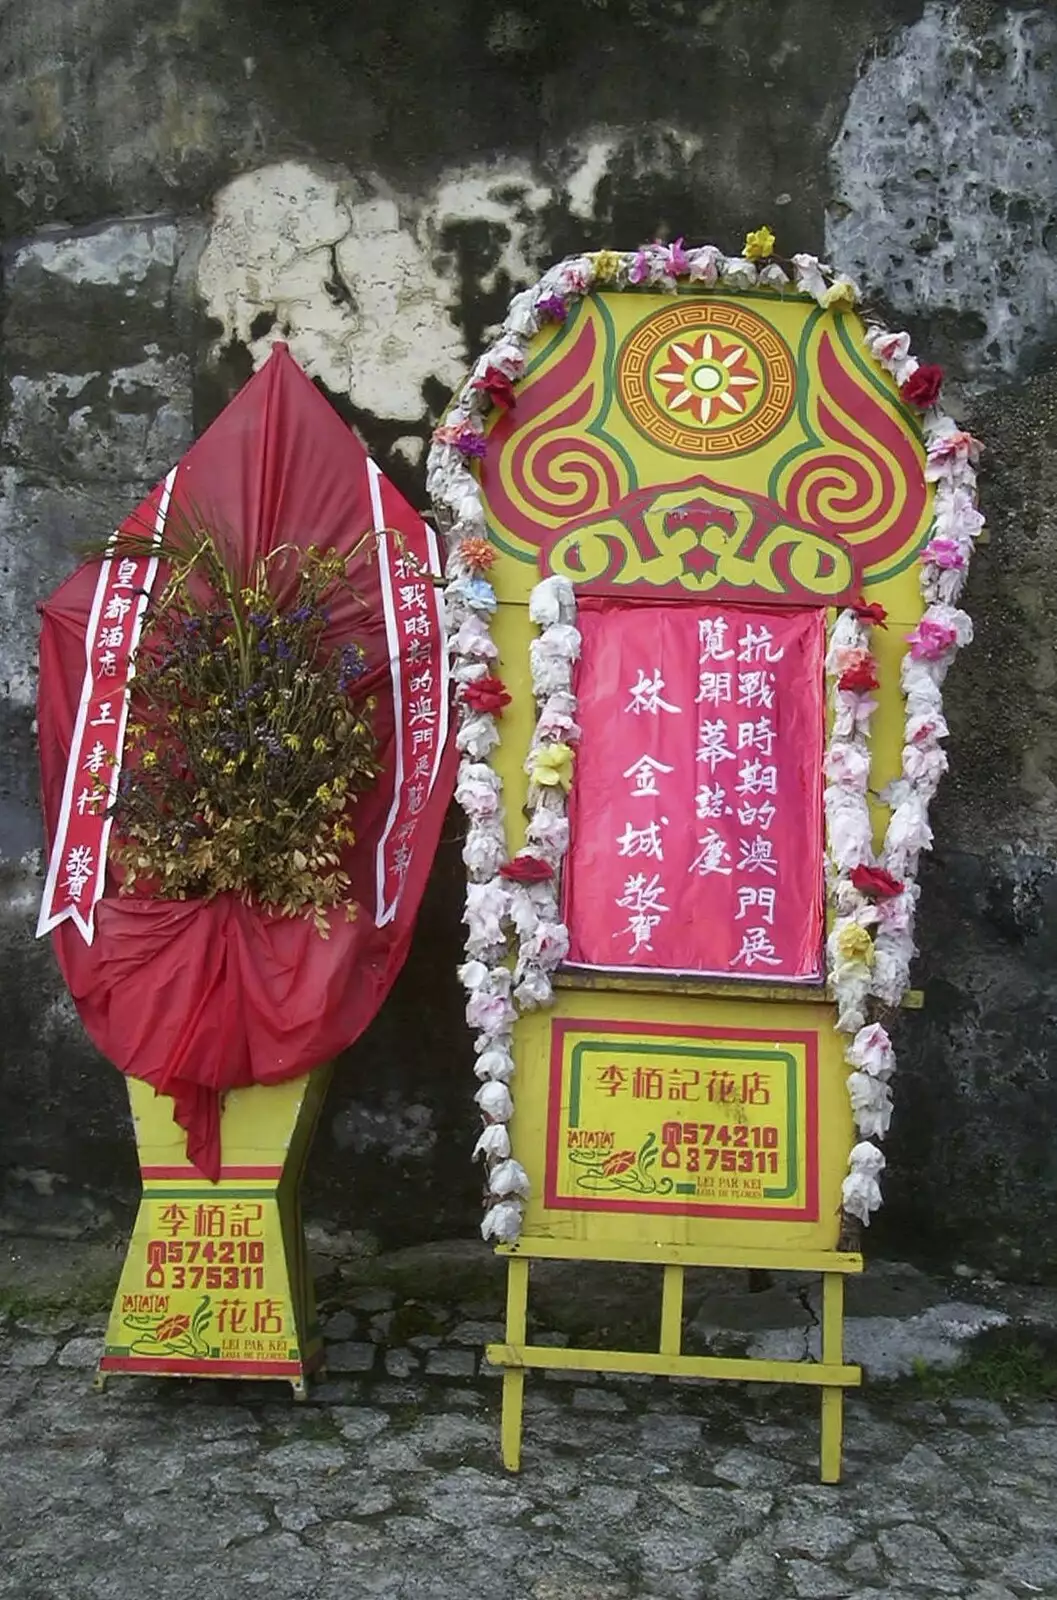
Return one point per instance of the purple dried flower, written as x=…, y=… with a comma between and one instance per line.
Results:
x=470, y=443
x=353, y=665
x=552, y=307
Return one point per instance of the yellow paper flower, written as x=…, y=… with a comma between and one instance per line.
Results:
x=758, y=245
x=855, y=945
x=841, y=295
x=552, y=765
x=606, y=264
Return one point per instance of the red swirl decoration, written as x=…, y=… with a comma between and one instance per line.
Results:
x=556, y=473
x=859, y=489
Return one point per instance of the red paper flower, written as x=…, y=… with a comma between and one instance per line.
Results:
x=527, y=869
x=497, y=386
x=860, y=678
x=872, y=612
x=486, y=694
x=875, y=881
x=922, y=388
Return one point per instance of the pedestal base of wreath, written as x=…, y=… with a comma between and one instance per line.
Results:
x=216, y=1281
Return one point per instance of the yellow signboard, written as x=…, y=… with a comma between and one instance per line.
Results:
x=649, y=1118
x=696, y=448
x=216, y=1280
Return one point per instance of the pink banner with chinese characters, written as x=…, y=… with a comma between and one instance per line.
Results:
x=697, y=807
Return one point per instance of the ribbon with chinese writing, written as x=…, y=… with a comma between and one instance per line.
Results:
x=77, y=866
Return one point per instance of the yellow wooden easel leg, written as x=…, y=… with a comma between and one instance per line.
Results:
x=832, y=1397
x=517, y=1283
x=672, y=1311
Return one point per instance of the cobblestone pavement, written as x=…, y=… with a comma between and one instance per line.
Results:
x=388, y=1483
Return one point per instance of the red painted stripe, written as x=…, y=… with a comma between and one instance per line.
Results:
x=189, y=1365
x=192, y=1175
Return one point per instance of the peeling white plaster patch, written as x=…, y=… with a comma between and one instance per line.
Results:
x=508, y=197
x=122, y=251
x=581, y=183
x=363, y=283
x=349, y=287
x=945, y=179
x=410, y=448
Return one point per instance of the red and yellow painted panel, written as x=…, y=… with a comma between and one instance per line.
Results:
x=731, y=450
x=787, y=454
x=801, y=482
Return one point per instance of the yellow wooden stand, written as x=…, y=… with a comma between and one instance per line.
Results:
x=791, y=1226
x=216, y=1281
x=830, y=1374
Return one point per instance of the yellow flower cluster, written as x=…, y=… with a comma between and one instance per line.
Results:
x=552, y=767
x=855, y=946
x=759, y=244
x=606, y=264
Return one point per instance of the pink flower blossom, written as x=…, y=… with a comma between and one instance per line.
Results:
x=641, y=269
x=462, y=437
x=892, y=347
x=575, y=278
x=931, y=640
x=676, y=260
x=704, y=264
x=951, y=451
x=846, y=658
x=946, y=553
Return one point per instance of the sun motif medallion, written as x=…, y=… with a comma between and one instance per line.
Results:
x=706, y=379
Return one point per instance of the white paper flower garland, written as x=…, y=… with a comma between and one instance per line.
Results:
x=515, y=935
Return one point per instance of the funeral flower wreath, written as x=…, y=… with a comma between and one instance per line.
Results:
x=512, y=904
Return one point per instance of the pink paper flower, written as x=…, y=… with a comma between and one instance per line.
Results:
x=946, y=553
x=931, y=640
x=575, y=278
x=952, y=450
x=892, y=347
x=461, y=437
x=676, y=260
x=641, y=267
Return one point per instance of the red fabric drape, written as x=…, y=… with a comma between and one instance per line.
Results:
x=197, y=997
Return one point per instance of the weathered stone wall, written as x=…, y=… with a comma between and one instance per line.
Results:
x=182, y=181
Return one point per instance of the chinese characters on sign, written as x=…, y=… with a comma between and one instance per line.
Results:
x=697, y=829
x=212, y=1287
x=418, y=663
x=644, y=1117
x=77, y=865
